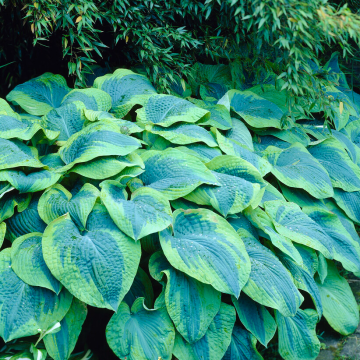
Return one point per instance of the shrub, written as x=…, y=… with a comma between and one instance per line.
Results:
x=177, y=212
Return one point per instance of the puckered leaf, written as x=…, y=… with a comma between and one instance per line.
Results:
x=32, y=182
x=98, y=139
x=257, y=111
x=340, y=307
x=291, y=222
x=214, y=343
x=14, y=153
x=262, y=221
x=183, y=134
x=10, y=200
x=67, y=119
x=57, y=201
x=25, y=222
x=333, y=157
x=201, y=151
x=270, y=284
x=349, y=202
x=139, y=333
x=344, y=248
x=242, y=346
x=61, y=344
x=207, y=248
x=166, y=110
x=41, y=94
x=147, y=212
x=297, y=336
x=25, y=309
x=241, y=185
x=271, y=193
x=174, y=173
x=240, y=133
x=232, y=147
x=107, y=166
x=191, y=304
x=126, y=89
x=93, y=99
x=295, y=167
x=28, y=262
x=255, y=317
x=98, y=266
x=296, y=134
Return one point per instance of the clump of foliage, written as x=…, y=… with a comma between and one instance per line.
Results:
x=177, y=212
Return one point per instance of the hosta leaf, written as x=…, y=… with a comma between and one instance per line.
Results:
x=303, y=280
x=98, y=139
x=147, y=212
x=261, y=143
x=183, y=134
x=14, y=153
x=254, y=109
x=240, y=133
x=291, y=222
x=219, y=115
x=212, y=91
x=32, y=182
x=11, y=127
x=333, y=157
x=141, y=287
x=295, y=167
x=2, y=233
x=25, y=222
x=296, y=134
x=262, y=221
x=232, y=147
x=41, y=94
x=271, y=193
x=28, y=262
x=206, y=247
x=344, y=248
x=166, y=110
x=242, y=346
x=241, y=185
x=9, y=201
x=98, y=266
x=340, y=307
x=255, y=318
x=126, y=89
x=191, y=304
x=67, y=119
x=201, y=151
x=107, y=166
x=93, y=99
x=297, y=336
x=139, y=333
x=57, y=201
x=349, y=202
x=61, y=344
x=214, y=343
x=25, y=309
x=174, y=173
x=270, y=284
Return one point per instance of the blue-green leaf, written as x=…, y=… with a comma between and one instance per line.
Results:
x=297, y=336
x=139, y=333
x=191, y=304
x=98, y=265
x=26, y=310
x=213, y=345
x=61, y=344
x=295, y=167
x=41, y=94
x=92, y=98
x=207, y=248
x=147, y=212
x=174, y=173
x=255, y=317
x=28, y=262
x=349, y=202
x=57, y=201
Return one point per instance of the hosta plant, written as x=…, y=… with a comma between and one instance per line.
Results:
x=196, y=219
